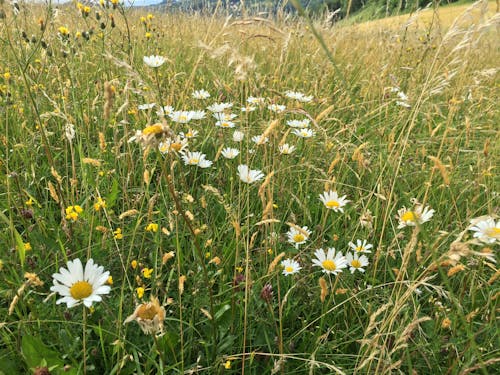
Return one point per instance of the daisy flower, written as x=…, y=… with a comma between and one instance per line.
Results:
x=219, y=107
x=303, y=133
x=181, y=117
x=200, y=94
x=230, y=153
x=330, y=262
x=361, y=246
x=332, y=201
x=276, y=108
x=290, y=267
x=176, y=144
x=145, y=107
x=238, y=136
x=298, y=236
x=225, y=124
x=189, y=134
x=259, y=139
x=286, y=149
x=304, y=123
x=255, y=100
x=248, y=108
x=166, y=110
x=197, y=115
x=249, y=175
x=356, y=262
x=413, y=218
x=486, y=230
x=78, y=285
x=154, y=61
x=150, y=316
x=196, y=158
x=298, y=96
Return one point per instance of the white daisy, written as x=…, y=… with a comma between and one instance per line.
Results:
x=298, y=96
x=303, y=133
x=249, y=175
x=78, y=285
x=181, y=117
x=219, y=107
x=361, y=246
x=330, y=261
x=486, y=230
x=414, y=217
x=356, y=262
x=298, y=236
x=248, y=108
x=230, y=153
x=332, y=201
x=145, y=107
x=304, y=123
x=276, y=108
x=286, y=149
x=225, y=124
x=197, y=115
x=200, y=94
x=290, y=267
x=189, y=134
x=176, y=145
x=221, y=116
x=255, y=100
x=196, y=158
x=154, y=61
x=238, y=136
x=259, y=139
x=164, y=111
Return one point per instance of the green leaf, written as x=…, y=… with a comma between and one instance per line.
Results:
x=17, y=237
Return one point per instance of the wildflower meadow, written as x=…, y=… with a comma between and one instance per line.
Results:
x=248, y=192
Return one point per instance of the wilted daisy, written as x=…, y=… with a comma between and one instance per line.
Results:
x=286, y=149
x=361, y=246
x=200, y=94
x=298, y=96
x=298, y=236
x=78, y=285
x=165, y=110
x=219, y=107
x=221, y=116
x=150, y=135
x=303, y=133
x=145, y=107
x=276, y=108
x=414, y=217
x=255, y=100
x=332, y=201
x=486, y=230
x=225, y=124
x=330, y=262
x=230, y=153
x=304, y=123
x=290, y=267
x=154, y=61
x=196, y=158
x=249, y=175
x=181, y=117
x=238, y=136
x=356, y=262
x=260, y=139
x=173, y=144
x=150, y=317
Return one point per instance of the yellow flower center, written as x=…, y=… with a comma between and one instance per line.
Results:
x=493, y=232
x=195, y=161
x=356, y=263
x=289, y=269
x=80, y=290
x=332, y=204
x=409, y=216
x=175, y=146
x=153, y=129
x=299, y=237
x=182, y=118
x=359, y=248
x=329, y=265
x=147, y=311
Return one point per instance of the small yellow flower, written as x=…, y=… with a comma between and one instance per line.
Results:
x=133, y=264
x=207, y=255
x=1, y=264
x=6, y=76
x=27, y=246
x=140, y=292
x=152, y=227
x=101, y=203
x=227, y=365
x=110, y=280
x=150, y=16
x=146, y=272
x=446, y=323
x=29, y=202
x=148, y=35
x=78, y=209
x=143, y=19
x=270, y=251
x=63, y=30
x=118, y=233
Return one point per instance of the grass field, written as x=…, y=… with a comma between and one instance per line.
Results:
x=262, y=195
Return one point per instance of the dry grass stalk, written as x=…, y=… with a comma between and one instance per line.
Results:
x=275, y=262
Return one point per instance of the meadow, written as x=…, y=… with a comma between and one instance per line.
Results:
x=270, y=194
